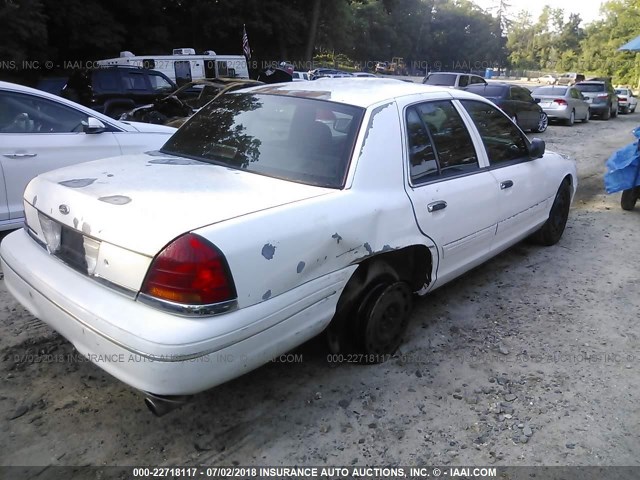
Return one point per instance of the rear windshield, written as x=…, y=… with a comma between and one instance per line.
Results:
x=493, y=91
x=550, y=91
x=590, y=87
x=622, y=91
x=299, y=139
x=441, y=79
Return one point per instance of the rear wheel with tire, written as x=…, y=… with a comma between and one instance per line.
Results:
x=372, y=314
x=572, y=118
x=629, y=198
x=607, y=114
x=382, y=319
x=543, y=123
x=552, y=230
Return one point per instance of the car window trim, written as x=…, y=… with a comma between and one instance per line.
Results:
x=465, y=120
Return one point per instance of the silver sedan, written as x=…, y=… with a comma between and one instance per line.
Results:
x=562, y=103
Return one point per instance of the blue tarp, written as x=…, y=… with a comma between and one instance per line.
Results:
x=623, y=168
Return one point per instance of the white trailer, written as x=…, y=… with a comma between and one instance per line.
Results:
x=184, y=65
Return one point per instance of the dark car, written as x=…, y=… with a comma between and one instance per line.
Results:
x=516, y=102
x=115, y=90
x=601, y=97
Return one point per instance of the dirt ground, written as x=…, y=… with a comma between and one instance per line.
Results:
x=531, y=359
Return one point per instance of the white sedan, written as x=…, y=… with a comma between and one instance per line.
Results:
x=41, y=132
x=274, y=214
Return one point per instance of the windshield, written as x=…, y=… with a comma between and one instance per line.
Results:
x=550, y=91
x=590, y=87
x=298, y=139
x=441, y=79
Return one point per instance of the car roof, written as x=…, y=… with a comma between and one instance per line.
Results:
x=361, y=92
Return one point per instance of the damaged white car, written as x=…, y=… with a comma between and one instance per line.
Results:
x=274, y=214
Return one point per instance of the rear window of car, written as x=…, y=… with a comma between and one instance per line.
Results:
x=622, y=91
x=550, y=91
x=298, y=139
x=486, y=90
x=590, y=87
x=441, y=79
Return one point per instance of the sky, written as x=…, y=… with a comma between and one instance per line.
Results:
x=588, y=9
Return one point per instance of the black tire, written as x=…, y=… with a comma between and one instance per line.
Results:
x=607, y=114
x=572, y=118
x=543, y=123
x=629, y=198
x=382, y=320
x=551, y=231
x=614, y=112
x=632, y=110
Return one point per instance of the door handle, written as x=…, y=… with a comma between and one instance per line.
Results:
x=435, y=206
x=506, y=184
x=19, y=155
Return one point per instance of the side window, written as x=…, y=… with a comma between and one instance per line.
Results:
x=21, y=113
x=423, y=164
x=464, y=81
x=439, y=142
x=520, y=95
x=476, y=79
x=502, y=140
x=107, y=80
x=575, y=93
x=183, y=72
x=159, y=83
x=134, y=81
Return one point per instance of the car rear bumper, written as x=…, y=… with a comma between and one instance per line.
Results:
x=557, y=113
x=170, y=367
x=598, y=108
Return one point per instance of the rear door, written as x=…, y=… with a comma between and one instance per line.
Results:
x=38, y=135
x=454, y=198
x=524, y=191
x=4, y=208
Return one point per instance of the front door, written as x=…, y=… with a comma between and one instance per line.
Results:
x=524, y=192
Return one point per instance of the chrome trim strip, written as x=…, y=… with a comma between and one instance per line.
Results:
x=159, y=358
x=34, y=236
x=185, y=310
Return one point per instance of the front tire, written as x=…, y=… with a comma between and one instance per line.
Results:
x=629, y=198
x=551, y=232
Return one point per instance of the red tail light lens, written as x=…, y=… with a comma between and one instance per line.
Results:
x=623, y=99
x=560, y=101
x=190, y=271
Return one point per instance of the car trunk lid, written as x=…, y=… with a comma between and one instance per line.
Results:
x=142, y=202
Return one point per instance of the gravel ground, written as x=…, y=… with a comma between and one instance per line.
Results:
x=531, y=359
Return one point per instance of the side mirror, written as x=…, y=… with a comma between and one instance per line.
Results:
x=93, y=125
x=536, y=148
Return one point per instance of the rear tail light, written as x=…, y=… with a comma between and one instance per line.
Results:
x=624, y=99
x=189, y=271
x=560, y=101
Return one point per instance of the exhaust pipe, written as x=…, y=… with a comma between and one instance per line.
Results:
x=162, y=404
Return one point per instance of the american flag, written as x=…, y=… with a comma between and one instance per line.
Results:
x=245, y=43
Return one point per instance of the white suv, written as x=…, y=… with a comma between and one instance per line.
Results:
x=453, y=79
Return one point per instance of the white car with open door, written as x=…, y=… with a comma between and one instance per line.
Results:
x=274, y=214
x=41, y=132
